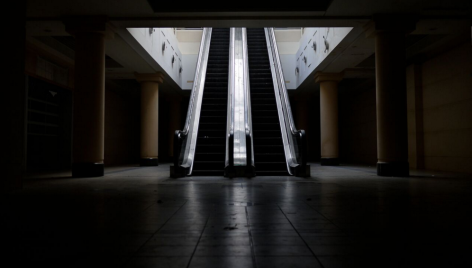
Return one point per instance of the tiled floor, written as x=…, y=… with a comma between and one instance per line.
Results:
x=341, y=217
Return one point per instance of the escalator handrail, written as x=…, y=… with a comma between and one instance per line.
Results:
x=229, y=161
x=247, y=106
x=198, y=75
x=292, y=160
x=194, y=108
x=282, y=86
x=239, y=147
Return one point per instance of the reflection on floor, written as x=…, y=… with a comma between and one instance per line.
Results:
x=341, y=217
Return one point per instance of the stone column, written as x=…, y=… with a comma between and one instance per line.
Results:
x=89, y=96
x=329, y=117
x=390, y=66
x=149, y=117
x=174, y=122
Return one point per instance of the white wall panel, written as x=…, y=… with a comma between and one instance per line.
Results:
x=189, y=67
x=152, y=40
x=316, y=44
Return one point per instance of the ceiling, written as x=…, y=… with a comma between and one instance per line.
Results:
x=158, y=7
x=439, y=24
x=319, y=13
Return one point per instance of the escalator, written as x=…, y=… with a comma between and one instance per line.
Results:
x=269, y=153
x=239, y=121
x=211, y=144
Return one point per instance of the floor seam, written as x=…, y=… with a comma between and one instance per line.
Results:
x=326, y=218
x=198, y=242
x=251, y=240
x=299, y=235
x=153, y=234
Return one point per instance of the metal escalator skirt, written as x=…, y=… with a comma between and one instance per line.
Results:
x=193, y=114
x=247, y=106
x=283, y=106
x=239, y=100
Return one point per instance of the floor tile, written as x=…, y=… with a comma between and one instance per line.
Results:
x=282, y=250
x=158, y=262
x=221, y=262
x=287, y=262
x=174, y=240
x=264, y=240
x=225, y=241
x=217, y=251
x=166, y=251
x=346, y=215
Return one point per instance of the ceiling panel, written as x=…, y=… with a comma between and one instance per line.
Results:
x=316, y=5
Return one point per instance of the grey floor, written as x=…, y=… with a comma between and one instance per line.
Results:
x=341, y=217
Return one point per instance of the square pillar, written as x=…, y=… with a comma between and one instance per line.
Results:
x=390, y=66
x=89, y=95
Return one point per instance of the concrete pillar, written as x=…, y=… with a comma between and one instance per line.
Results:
x=89, y=96
x=174, y=122
x=329, y=117
x=149, y=117
x=390, y=65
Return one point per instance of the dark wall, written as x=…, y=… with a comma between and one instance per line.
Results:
x=50, y=117
x=311, y=111
x=165, y=109
x=49, y=125
x=314, y=132
x=357, y=122
x=122, y=123
x=440, y=111
x=13, y=101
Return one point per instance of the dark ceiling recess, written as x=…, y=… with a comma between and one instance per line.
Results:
x=367, y=63
x=317, y=5
x=111, y=63
x=69, y=41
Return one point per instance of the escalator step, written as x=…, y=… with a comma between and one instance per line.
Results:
x=269, y=153
x=211, y=142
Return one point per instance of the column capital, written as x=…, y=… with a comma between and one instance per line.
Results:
x=400, y=23
x=323, y=77
x=150, y=77
x=94, y=24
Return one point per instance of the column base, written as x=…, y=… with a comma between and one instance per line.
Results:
x=303, y=171
x=86, y=170
x=178, y=172
x=149, y=162
x=230, y=172
x=393, y=169
x=330, y=161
